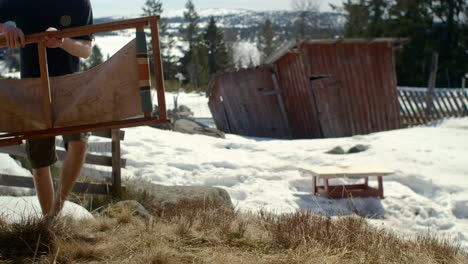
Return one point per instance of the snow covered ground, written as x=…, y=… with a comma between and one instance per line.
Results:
x=428, y=193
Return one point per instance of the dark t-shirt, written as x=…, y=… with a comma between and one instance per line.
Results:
x=34, y=16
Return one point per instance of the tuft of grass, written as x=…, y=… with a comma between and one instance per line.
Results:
x=30, y=238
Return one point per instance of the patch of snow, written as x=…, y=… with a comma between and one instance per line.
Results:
x=208, y=12
x=246, y=53
x=16, y=209
x=9, y=166
x=197, y=102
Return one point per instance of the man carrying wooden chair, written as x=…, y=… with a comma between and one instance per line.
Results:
x=63, y=56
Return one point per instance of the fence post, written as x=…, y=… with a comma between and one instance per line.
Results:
x=116, y=165
x=432, y=84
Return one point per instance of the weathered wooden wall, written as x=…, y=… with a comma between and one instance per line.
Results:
x=358, y=94
x=245, y=103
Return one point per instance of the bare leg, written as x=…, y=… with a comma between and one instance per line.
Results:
x=44, y=189
x=70, y=172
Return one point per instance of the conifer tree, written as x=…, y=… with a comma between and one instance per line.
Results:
x=267, y=43
x=194, y=64
x=218, y=57
x=307, y=17
x=155, y=8
x=190, y=30
x=94, y=60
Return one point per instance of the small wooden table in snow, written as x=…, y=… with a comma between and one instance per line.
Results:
x=346, y=191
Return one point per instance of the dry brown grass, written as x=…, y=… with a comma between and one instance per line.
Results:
x=202, y=232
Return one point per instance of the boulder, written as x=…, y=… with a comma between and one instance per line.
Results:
x=337, y=151
x=169, y=196
x=358, y=149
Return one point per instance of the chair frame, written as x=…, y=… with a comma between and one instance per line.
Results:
x=139, y=24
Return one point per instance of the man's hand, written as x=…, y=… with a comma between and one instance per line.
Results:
x=14, y=36
x=53, y=43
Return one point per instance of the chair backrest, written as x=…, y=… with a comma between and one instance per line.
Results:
x=111, y=96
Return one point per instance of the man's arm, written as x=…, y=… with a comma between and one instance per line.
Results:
x=76, y=47
x=13, y=35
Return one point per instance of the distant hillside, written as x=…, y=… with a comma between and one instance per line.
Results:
x=244, y=24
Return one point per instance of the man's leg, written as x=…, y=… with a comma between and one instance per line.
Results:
x=41, y=154
x=44, y=189
x=71, y=169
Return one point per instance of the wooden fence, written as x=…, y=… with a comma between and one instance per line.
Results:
x=99, y=167
x=418, y=106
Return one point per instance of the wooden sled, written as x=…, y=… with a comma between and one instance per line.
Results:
x=345, y=190
x=116, y=94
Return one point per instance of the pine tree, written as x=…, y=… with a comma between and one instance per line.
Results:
x=194, y=64
x=218, y=57
x=452, y=44
x=433, y=26
x=377, y=10
x=267, y=43
x=357, y=17
x=155, y=8
x=307, y=17
x=94, y=60
x=190, y=30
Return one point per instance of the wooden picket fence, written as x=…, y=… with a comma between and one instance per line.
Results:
x=102, y=166
x=418, y=106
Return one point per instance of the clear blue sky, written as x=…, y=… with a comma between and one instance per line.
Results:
x=133, y=7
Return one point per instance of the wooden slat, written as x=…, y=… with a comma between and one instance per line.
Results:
x=28, y=182
x=346, y=172
x=409, y=100
x=108, y=134
x=14, y=138
x=88, y=30
x=158, y=71
x=90, y=158
x=453, y=109
x=16, y=181
x=420, y=97
x=98, y=147
x=116, y=164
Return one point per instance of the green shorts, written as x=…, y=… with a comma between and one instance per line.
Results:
x=41, y=152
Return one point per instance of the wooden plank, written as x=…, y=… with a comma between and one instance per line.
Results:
x=92, y=172
x=92, y=159
x=327, y=172
x=432, y=84
x=456, y=99
x=116, y=164
x=420, y=97
x=16, y=181
x=88, y=30
x=108, y=134
x=13, y=138
x=419, y=114
x=409, y=103
x=28, y=182
x=158, y=70
x=46, y=96
x=270, y=93
x=453, y=109
x=280, y=99
x=407, y=115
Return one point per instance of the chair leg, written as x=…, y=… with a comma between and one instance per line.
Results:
x=314, y=185
x=381, y=192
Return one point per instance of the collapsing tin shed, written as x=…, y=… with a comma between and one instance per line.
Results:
x=314, y=89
